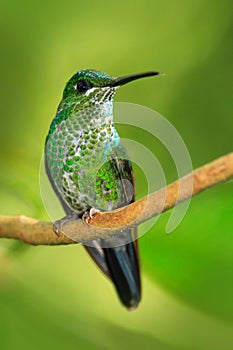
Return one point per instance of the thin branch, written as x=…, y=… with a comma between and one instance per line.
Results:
x=106, y=224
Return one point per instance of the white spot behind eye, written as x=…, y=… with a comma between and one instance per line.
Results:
x=89, y=91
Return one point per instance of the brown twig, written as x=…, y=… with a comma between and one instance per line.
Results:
x=106, y=224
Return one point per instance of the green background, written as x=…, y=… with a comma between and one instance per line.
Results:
x=54, y=297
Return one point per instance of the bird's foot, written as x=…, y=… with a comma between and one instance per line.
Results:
x=58, y=225
x=89, y=214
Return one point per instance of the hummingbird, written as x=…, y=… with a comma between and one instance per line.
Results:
x=89, y=170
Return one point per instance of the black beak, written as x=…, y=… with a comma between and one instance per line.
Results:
x=126, y=79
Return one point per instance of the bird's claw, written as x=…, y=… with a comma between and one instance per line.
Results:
x=58, y=224
x=56, y=228
x=89, y=214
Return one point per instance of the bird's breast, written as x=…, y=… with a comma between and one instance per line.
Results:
x=80, y=164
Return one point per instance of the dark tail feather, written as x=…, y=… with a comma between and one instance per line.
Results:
x=123, y=267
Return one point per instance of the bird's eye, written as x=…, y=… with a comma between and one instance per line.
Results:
x=82, y=86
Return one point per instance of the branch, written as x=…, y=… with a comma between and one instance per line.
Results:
x=107, y=224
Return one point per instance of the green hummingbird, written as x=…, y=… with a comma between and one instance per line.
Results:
x=89, y=169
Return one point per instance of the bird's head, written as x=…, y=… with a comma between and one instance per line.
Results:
x=91, y=87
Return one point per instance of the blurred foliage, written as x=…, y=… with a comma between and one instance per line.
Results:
x=47, y=297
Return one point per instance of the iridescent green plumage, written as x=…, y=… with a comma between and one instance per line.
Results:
x=88, y=167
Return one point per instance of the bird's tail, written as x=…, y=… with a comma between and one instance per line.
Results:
x=121, y=264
